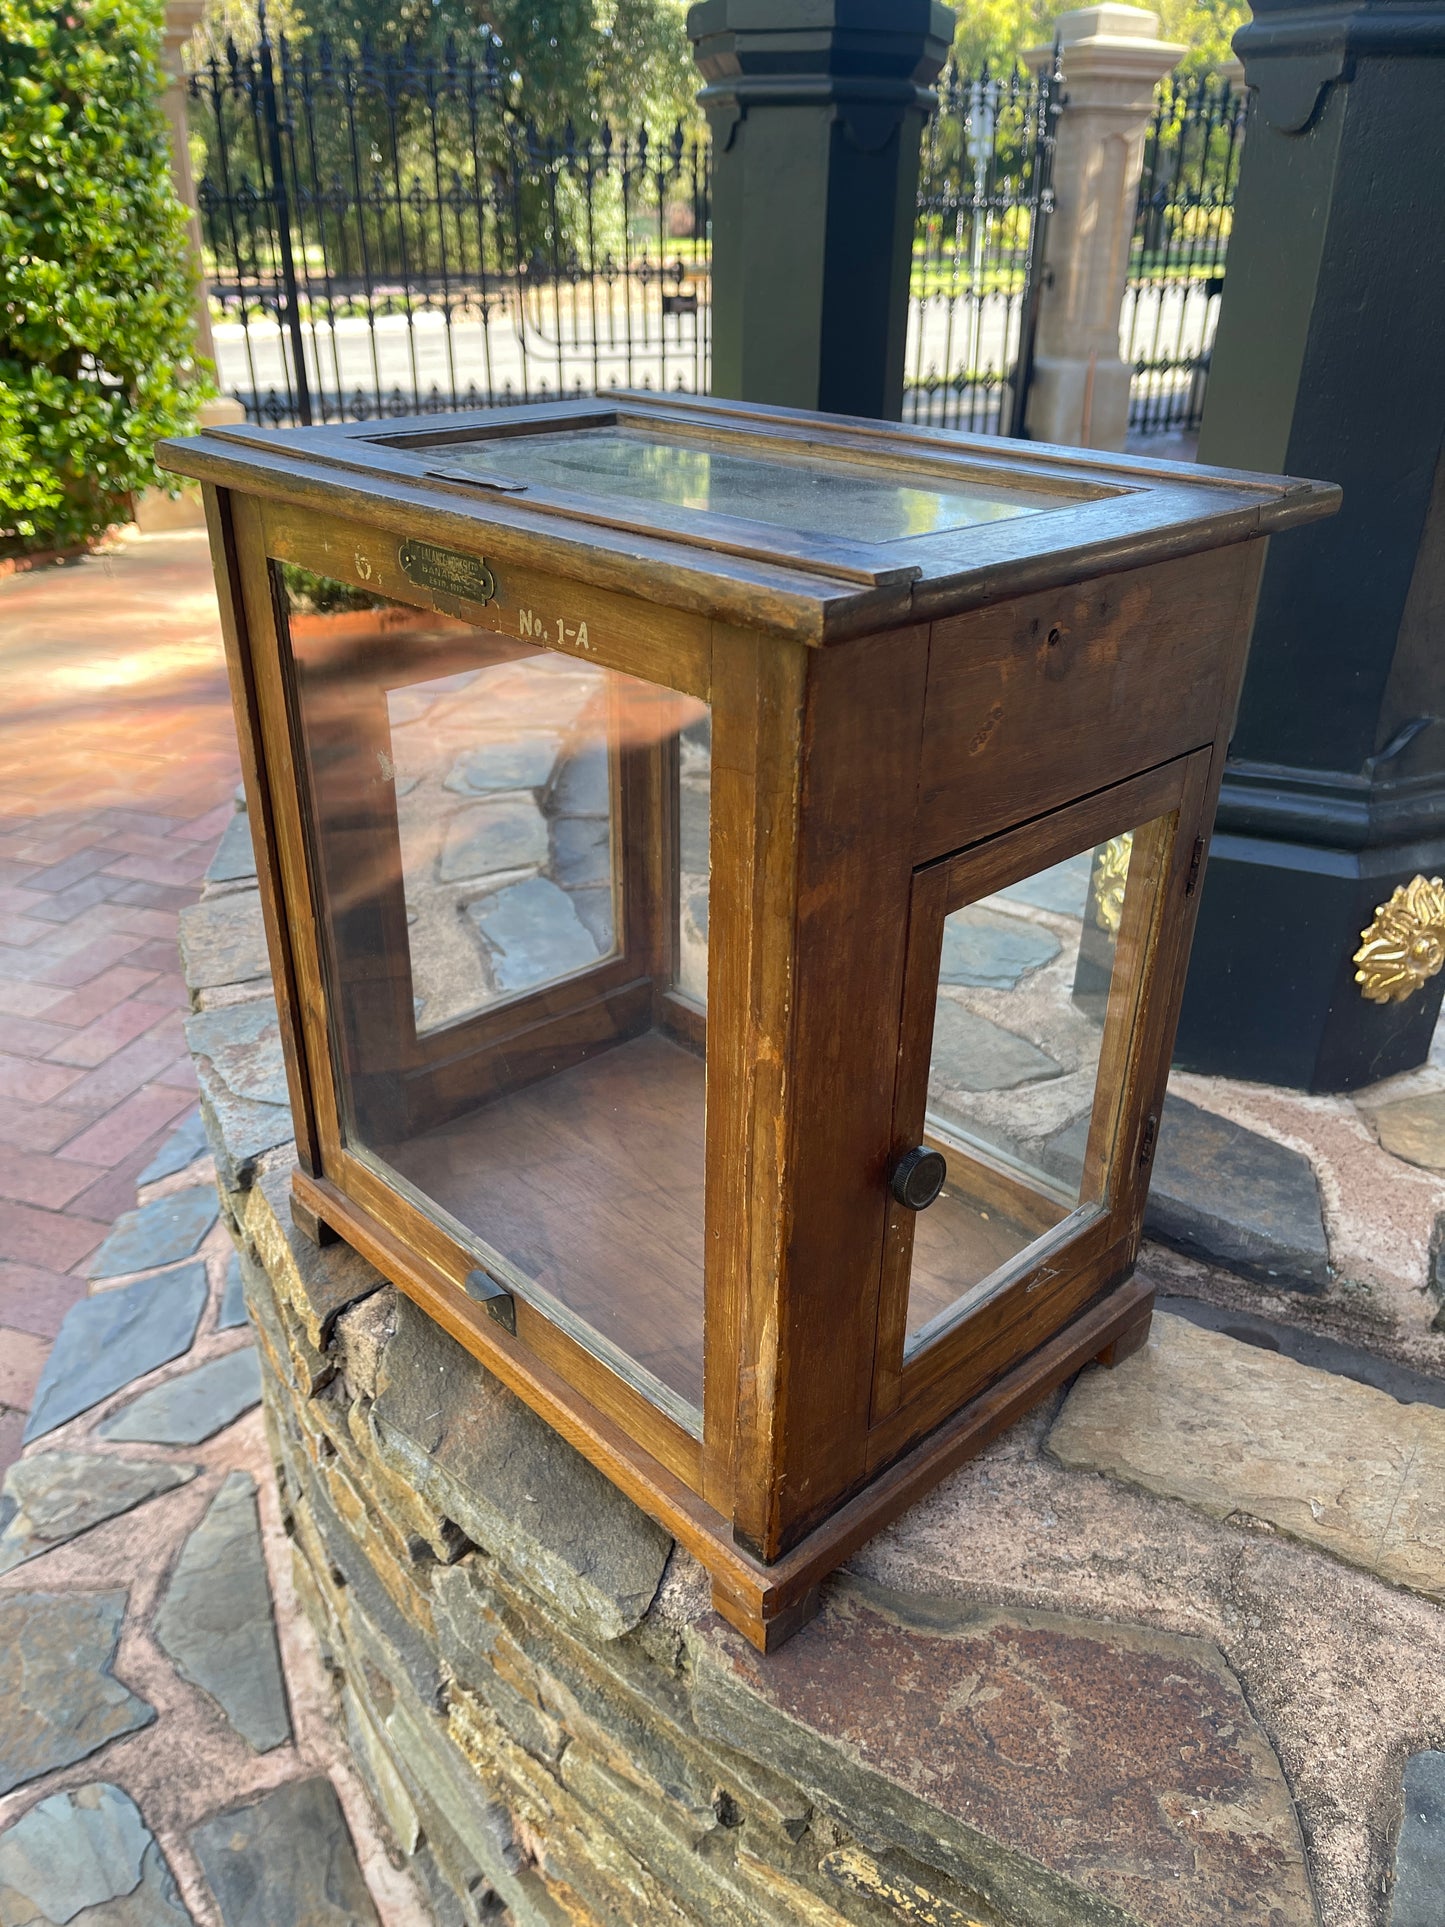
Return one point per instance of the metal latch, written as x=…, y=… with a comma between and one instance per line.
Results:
x=500, y=484
x=499, y=1302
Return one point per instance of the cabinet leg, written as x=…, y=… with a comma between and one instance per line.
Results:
x=1129, y=1341
x=781, y=1627
x=316, y=1229
x=766, y=1634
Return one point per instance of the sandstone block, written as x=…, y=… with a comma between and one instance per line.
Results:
x=1230, y=1428
x=1069, y=1771
x=223, y=941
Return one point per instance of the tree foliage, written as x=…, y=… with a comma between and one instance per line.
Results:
x=96, y=329
x=579, y=61
x=1206, y=28
x=998, y=31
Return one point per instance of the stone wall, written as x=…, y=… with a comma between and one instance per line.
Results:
x=553, y=1723
x=1044, y=1699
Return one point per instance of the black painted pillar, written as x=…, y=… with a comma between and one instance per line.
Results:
x=1330, y=362
x=816, y=107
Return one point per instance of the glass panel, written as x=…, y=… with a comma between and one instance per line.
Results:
x=1015, y=1098
x=694, y=859
x=504, y=800
x=503, y=950
x=831, y=499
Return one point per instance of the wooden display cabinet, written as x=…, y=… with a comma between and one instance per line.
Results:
x=729, y=876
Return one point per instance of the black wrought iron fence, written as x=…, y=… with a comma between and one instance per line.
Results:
x=1176, y=261
x=384, y=236
x=984, y=198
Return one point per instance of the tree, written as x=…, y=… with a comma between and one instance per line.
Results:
x=96, y=330
x=578, y=61
x=1206, y=27
x=998, y=31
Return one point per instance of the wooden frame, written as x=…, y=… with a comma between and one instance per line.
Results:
x=949, y=1361
x=897, y=728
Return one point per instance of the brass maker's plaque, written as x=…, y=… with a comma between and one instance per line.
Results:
x=447, y=571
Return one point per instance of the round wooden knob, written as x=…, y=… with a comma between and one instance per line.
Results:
x=918, y=1177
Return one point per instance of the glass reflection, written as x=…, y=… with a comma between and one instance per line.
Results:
x=504, y=810
x=837, y=499
x=516, y=968
x=694, y=859
x=1025, y=985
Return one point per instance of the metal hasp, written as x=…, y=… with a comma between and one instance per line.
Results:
x=1328, y=362
x=816, y=112
x=496, y=1299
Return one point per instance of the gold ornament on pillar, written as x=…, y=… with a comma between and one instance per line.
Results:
x=1110, y=880
x=1405, y=945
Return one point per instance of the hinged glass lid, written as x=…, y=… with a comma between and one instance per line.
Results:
x=829, y=498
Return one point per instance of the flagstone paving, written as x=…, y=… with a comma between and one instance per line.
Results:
x=1419, y=1899
x=119, y=770
x=157, y=1234
x=1234, y=1429
x=86, y=1856
x=144, y=1609
x=119, y=764
x=59, y=1698
x=1238, y=1198
x=109, y=1340
x=288, y=1857
x=215, y=1620
x=189, y=1409
x=56, y=1496
x=184, y=1145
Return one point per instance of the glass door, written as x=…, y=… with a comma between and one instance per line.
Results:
x=1028, y=961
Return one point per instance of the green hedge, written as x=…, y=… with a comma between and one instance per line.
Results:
x=96, y=330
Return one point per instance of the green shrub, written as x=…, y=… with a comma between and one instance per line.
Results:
x=96, y=330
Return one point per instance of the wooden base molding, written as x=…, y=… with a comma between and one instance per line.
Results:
x=766, y=1603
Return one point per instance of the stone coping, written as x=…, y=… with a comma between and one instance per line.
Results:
x=1042, y=1696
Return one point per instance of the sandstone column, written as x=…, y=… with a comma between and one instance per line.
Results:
x=1113, y=60
x=156, y=510
x=182, y=19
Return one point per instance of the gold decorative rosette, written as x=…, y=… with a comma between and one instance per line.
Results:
x=1405, y=945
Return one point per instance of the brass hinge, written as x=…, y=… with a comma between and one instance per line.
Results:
x=1147, y=1141
x=1196, y=858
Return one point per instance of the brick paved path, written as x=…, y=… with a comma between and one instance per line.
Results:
x=117, y=766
